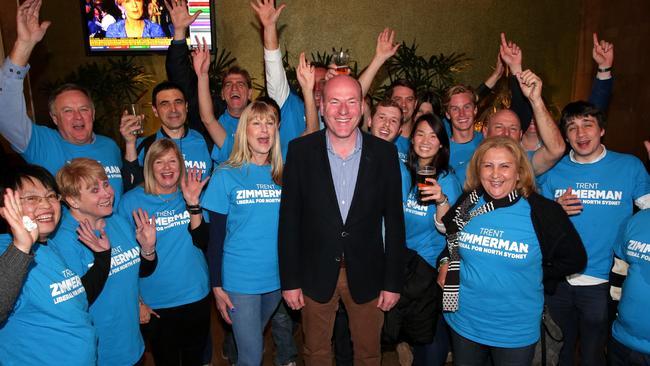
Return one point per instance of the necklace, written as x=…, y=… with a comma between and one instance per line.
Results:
x=171, y=198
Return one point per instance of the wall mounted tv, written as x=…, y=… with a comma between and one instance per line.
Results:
x=139, y=26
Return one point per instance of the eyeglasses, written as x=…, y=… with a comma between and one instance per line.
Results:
x=36, y=200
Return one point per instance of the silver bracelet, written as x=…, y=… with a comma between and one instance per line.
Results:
x=444, y=202
x=148, y=254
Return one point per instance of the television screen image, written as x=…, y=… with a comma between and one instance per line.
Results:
x=139, y=26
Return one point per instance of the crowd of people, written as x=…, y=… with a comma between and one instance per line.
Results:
x=396, y=224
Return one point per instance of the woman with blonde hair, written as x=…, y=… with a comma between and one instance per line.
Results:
x=85, y=189
x=177, y=290
x=507, y=245
x=243, y=198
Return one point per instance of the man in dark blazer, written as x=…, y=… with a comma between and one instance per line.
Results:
x=339, y=186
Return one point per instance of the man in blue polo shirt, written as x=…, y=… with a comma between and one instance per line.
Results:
x=70, y=106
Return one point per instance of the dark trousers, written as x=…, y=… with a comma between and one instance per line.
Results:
x=619, y=354
x=470, y=353
x=581, y=311
x=434, y=353
x=179, y=336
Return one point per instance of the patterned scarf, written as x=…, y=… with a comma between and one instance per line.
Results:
x=461, y=216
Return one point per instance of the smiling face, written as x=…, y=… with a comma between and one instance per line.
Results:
x=498, y=172
x=171, y=108
x=503, y=123
x=134, y=9
x=461, y=112
x=405, y=98
x=425, y=143
x=236, y=93
x=260, y=135
x=45, y=212
x=386, y=123
x=584, y=135
x=167, y=172
x=342, y=107
x=95, y=199
x=73, y=113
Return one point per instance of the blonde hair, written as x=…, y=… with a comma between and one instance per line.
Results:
x=156, y=150
x=78, y=174
x=241, y=153
x=525, y=183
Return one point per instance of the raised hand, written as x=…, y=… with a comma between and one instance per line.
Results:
x=386, y=46
x=145, y=230
x=28, y=27
x=87, y=236
x=223, y=303
x=192, y=185
x=570, y=202
x=510, y=54
x=603, y=53
x=305, y=73
x=491, y=81
x=129, y=124
x=12, y=212
x=201, y=58
x=266, y=12
x=531, y=85
x=180, y=15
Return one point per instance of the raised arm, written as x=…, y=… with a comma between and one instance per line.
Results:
x=553, y=148
x=601, y=90
x=512, y=56
x=306, y=78
x=277, y=84
x=201, y=61
x=15, y=125
x=385, y=49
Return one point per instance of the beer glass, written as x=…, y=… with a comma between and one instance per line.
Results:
x=341, y=60
x=420, y=179
x=135, y=109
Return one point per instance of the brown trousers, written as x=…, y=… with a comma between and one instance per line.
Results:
x=366, y=321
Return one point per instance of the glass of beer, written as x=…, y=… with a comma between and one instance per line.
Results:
x=420, y=179
x=341, y=59
x=135, y=109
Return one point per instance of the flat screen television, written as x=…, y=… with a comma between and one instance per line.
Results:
x=139, y=26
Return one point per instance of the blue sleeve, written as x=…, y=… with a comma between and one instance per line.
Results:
x=113, y=30
x=451, y=187
x=215, y=247
x=601, y=93
x=220, y=155
x=642, y=181
x=216, y=196
x=620, y=244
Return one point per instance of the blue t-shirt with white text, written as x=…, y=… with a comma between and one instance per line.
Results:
x=403, y=144
x=607, y=190
x=49, y=323
x=115, y=312
x=192, y=146
x=632, y=326
x=251, y=200
x=181, y=275
x=501, y=293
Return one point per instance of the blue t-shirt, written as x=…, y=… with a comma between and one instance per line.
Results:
x=150, y=30
x=194, y=150
x=501, y=292
x=251, y=200
x=403, y=144
x=115, y=312
x=49, y=323
x=632, y=327
x=181, y=275
x=607, y=190
x=229, y=123
x=421, y=233
x=47, y=148
x=460, y=155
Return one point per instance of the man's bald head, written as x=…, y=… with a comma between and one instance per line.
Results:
x=503, y=123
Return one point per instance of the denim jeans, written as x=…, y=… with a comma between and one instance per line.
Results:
x=282, y=332
x=249, y=316
x=470, y=353
x=581, y=311
x=619, y=354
